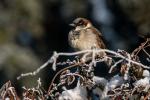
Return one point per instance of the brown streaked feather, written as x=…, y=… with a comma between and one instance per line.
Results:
x=99, y=37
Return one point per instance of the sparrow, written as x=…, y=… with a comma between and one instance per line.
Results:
x=85, y=36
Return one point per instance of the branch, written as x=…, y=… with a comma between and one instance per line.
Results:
x=53, y=60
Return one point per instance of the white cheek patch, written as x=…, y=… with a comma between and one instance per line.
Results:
x=88, y=25
x=78, y=28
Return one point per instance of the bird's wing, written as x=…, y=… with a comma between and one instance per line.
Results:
x=99, y=37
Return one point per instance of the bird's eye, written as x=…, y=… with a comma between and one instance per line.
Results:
x=80, y=22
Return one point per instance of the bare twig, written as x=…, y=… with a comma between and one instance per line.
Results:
x=56, y=55
x=113, y=66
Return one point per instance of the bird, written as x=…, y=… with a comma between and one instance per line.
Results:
x=84, y=36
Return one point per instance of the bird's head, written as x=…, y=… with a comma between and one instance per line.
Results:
x=81, y=23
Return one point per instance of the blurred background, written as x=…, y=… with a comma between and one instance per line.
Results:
x=30, y=30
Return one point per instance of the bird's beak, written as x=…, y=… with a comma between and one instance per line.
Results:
x=72, y=24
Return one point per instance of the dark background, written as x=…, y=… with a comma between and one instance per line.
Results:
x=30, y=30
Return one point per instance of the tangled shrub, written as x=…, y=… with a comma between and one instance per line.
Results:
x=128, y=77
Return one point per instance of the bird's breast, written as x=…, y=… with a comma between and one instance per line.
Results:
x=83, y=41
